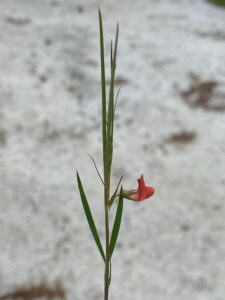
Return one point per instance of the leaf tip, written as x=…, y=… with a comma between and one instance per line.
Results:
x=117, y=28
x=78, y=176
x=99, y=13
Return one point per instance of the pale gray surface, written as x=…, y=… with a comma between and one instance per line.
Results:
x=171, y=247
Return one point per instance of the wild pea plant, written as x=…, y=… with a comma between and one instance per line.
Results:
x=143, y=191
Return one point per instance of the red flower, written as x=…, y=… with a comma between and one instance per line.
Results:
x=143, y=192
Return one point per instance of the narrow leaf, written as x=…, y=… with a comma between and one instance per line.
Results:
x=103, y=83
x=114, y=194
x=117, y=222
x=89, y=217
x=110, y=119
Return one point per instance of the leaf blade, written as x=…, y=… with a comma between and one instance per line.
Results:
x=117, y=223
x=110, y=116
x=103, y=84
x=89, y=217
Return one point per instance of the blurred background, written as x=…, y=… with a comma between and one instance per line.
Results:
x=170, y=126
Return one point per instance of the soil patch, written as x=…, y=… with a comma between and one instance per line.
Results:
x=34, y=292
x=204, y=94
x=183, y=137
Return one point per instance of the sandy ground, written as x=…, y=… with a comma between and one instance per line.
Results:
x=170, y=126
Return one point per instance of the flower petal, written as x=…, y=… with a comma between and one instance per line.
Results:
x=143, y=191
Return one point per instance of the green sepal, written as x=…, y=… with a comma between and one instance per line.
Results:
x=89, y=217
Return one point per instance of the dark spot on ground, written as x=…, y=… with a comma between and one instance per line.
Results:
x=43, y=78
x=77, y=75
x=128, y=121
x=80, y=8
x=203, y=94
x=71, y=89
x=119, y=80
x=215, y=35
x=216, y=207
x=34, y=292
x=48, y=41
x=54, y=3
x=183, y=137
x=185, y=227
x=17, y=20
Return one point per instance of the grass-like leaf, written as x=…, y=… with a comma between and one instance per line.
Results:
x=89, y=217
x=110, y=119
x=116, y=225
x=103, y=83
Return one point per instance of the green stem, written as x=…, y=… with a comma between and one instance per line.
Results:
x=107, y=258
